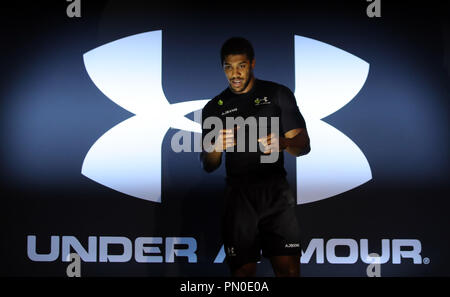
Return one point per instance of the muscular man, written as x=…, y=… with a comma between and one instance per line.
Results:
x=259, y=213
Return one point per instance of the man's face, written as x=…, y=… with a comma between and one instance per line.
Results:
x=239, y=72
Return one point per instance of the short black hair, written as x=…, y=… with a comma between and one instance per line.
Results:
x=237, y=46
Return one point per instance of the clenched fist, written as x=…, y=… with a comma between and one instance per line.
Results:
x=272, y=143
x=225, y=139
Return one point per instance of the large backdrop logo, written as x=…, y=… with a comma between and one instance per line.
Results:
x=127, y=158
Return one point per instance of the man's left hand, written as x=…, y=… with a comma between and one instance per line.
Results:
x=273, y=143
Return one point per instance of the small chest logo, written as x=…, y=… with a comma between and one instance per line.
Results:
x=230, y=251
x=228, y=111
x=261, y=101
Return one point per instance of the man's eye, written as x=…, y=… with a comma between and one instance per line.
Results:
x=242, y=66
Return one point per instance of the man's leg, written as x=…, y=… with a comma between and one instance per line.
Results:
x=240, y=231
x=286, y=265
x=245, y=270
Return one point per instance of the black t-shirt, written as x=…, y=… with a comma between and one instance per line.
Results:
x=265, y=99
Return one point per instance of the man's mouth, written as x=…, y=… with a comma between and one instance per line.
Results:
x=236, y=83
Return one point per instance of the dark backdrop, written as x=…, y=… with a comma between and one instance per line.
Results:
x=52, y=113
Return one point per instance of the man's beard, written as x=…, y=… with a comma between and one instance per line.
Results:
x=245, y=84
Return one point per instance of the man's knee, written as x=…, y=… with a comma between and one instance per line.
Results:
x=286, y=265
x=288, y=271
x=245, y=270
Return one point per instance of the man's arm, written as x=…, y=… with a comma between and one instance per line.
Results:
x=294, y=136
x=295, y=141
x=212, y=160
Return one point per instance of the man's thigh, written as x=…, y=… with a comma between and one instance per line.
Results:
x=240, y=230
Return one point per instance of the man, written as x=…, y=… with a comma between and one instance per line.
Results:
x=259, y=212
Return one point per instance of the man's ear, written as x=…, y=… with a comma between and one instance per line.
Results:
x=253, y=63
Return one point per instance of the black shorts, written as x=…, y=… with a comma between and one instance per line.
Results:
x=259, y=216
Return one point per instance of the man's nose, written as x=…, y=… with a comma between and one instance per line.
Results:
x=235, y=72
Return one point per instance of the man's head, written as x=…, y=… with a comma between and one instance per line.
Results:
x=238, y=60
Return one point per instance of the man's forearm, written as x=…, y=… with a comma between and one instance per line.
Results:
x=297, y=145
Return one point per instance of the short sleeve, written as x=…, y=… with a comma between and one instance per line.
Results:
x=291, y=118
x=205, y=114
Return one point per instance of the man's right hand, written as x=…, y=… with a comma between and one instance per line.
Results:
x=225, y=139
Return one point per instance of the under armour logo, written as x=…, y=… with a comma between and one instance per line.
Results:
x=230, y=251
x=127, y=158
x=261, y=101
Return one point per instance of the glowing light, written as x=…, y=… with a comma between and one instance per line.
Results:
x=326, y=79
x=127, y=158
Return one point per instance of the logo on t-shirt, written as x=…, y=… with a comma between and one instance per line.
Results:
x=261, y=101
x=229, y=111
x=230, y=251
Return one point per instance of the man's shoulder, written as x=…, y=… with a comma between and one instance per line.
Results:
x=277, y=87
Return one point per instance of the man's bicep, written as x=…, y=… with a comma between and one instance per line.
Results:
x=291, y=118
